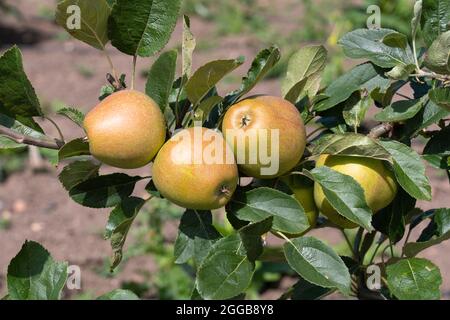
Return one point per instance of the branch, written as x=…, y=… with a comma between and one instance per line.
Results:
x=381, y=130
x=21, y=138
x=432, y=75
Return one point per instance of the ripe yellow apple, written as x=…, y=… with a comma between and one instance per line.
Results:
x=274, y=115
x=374, y=177
x=196, y=169
x=125, y=130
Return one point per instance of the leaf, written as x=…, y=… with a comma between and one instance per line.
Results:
x=119, y=294
x=308, y=62
x=401, y=72
x=75, y=115
x=264, y=61
x=391, y=220
x=414, y=279
x=7, y=143
x=368, y=44
x=18, y=99
x=77, y=172
x=439, y=144
x=119, y=224
x=196, y=235
x=317, y=263
x=441, y=219
x=395, y=40
x=409, y=169
x=429, y=115
x=74, y=148
x=20, y=128
x=34, y=275
x=415, y=21
x=261, y=203
x=400, y=110
x=435, y=18
x=142, y=27
x=355, y=114
x=104, y=191
x=151, y=189
x=251, y=237
x=205, y=107
x=350, y=144
x=207, y=76
x=441, y=97
x=345, y=195
x=293, y=95
x=438, y=56
x=161, y=77
x=93, y=18
x=188, y=46
x=366, y=77
x=226, y=272
x=304, y=290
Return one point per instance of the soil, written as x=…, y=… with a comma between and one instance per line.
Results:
x=62, y=69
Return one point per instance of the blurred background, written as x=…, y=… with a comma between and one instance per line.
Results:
x=66, y=72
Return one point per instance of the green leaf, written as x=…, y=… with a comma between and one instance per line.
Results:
x=308, y=62
x=438, y=56
x=401, y=72
x=429, y=115
x=104, y=191
x=391, y=220
x=20, y=128
x=74, y=148
x=414, y=279
x=77, y=172
x=161, y=77
x=345, y=195
x=354, y=114
x=7, y=143
x=93, y=21
x=196, y=236
x=441, y=97
x=119, y=294
x=226, y=272
x=295, y=92
x=366, y=77
x=119, y=224
x=401, y=110
x=439, y=144
x=251, y=237
x=261, y=203
x=350, y=144
x=34, y=275
x=409, y=169
x=435, y=18
x=369, y=44
x=18, y=99
x=415, y=21
x=395, y=40
x=264, y=61
x=207, y=76
x=188, y=46
x=142, y=27
x=304, y=290
x=205, y=107
x=441, y=219
x=75, y=115
x=317, y=263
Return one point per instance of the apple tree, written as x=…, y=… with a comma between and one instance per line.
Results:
x=358, y=165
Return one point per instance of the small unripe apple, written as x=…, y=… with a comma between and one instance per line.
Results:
x=377, y=181
x=196, y=169
x=125, y=130
x=265, y=115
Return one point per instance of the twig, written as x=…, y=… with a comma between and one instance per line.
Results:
x=21, y=138
x=432, y=75
x=61, y=136
x=381, y=130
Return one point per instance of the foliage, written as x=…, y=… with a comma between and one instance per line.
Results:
x=225, y=264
